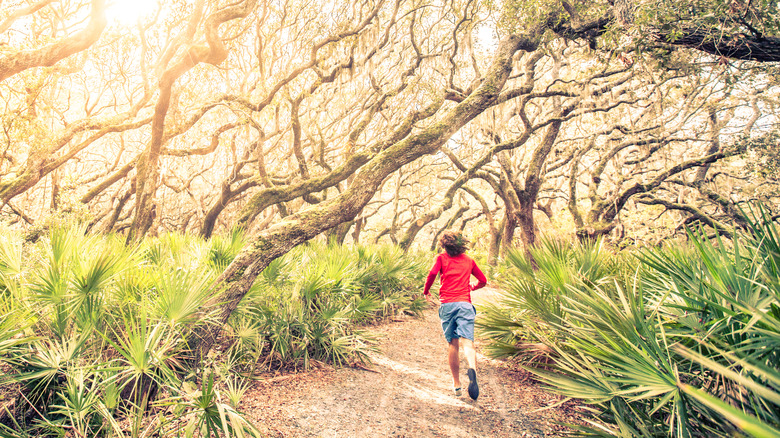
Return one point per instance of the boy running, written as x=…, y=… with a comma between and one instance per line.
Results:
x=456, y=311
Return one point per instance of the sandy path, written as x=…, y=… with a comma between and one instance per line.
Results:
x=409, y=395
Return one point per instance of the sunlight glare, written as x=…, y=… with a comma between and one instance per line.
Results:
x=128, y=12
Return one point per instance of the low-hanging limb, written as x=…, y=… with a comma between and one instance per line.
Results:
x=416, y=225
x=450, y=223
x=43, y=162
x=696, y=213
x=601, y=217
x=274, y=195
x=58, y=50
x=726, y=205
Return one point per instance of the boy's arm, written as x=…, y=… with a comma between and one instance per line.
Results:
x=475, y=271
x=432, y=276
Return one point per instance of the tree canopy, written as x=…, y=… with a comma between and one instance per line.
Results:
x=293, y=119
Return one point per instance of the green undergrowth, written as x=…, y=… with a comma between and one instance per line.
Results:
x=309, y=305
x=94, y=334
x=681, y=340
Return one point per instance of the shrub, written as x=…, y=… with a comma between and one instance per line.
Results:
x=308, y=305
x=688, y=347
x=94, y=333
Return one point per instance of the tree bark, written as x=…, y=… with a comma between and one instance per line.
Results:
x=495, y=245
x=508, y=235
x=148, y=168
x=339, y=233
x=51, y=54
x=744, y=47
x=359, y=222
x=227, y=195
x=533, y=183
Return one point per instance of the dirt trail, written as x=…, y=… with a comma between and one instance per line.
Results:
x=409, y=395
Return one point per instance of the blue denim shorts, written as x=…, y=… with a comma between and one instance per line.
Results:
x=457, y=320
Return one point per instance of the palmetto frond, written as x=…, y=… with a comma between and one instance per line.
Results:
x=688, y=340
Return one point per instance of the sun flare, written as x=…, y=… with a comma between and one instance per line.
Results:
x=128, y=12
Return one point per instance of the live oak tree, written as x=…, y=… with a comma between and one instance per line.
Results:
x=551, y=99
x=656, y=152
x=396, y=150
x=470, y=102
x=287, y=119
x=731, y=29
x=720, y=196
x=43, y=75
x=159, y=44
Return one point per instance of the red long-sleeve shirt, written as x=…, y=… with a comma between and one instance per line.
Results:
x=455, y=275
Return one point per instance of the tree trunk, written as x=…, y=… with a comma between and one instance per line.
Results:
x=338, y=233
x=226, y=196
x=359, y=222
x=148, y=169
x=210, y=220
x=109, y=226
x=55, y=190
x=525, y=220
x=494, y=246
x=508, y=236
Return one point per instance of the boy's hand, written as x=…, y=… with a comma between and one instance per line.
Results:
x=429, y=299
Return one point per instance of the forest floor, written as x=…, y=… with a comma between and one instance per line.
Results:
x=407, y=393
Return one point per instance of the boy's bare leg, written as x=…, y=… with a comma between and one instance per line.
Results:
x=469, y=352
x=471, y=358
x=454, y=360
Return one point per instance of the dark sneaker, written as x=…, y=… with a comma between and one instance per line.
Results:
x=473, y=387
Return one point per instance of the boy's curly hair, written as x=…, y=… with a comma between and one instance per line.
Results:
x=454, y=243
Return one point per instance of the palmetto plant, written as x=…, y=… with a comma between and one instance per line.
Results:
x=207, y=412
x=523, y=322
x=100, y=306
x=178, y=296
x=723, y=312
x=687, y=348
x=10, y=261
x=43, y=369
x=80, y=408
x=148, y=359
x=94, y=331
x=69, y=283
x=15, y=317
x=223, y=249
x=305, y=305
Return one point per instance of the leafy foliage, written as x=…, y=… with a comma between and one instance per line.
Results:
x=763, y=155
x=688, y=346
x=307, y=304
x=759, y=18
x=95, y=333
x=523, y=323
